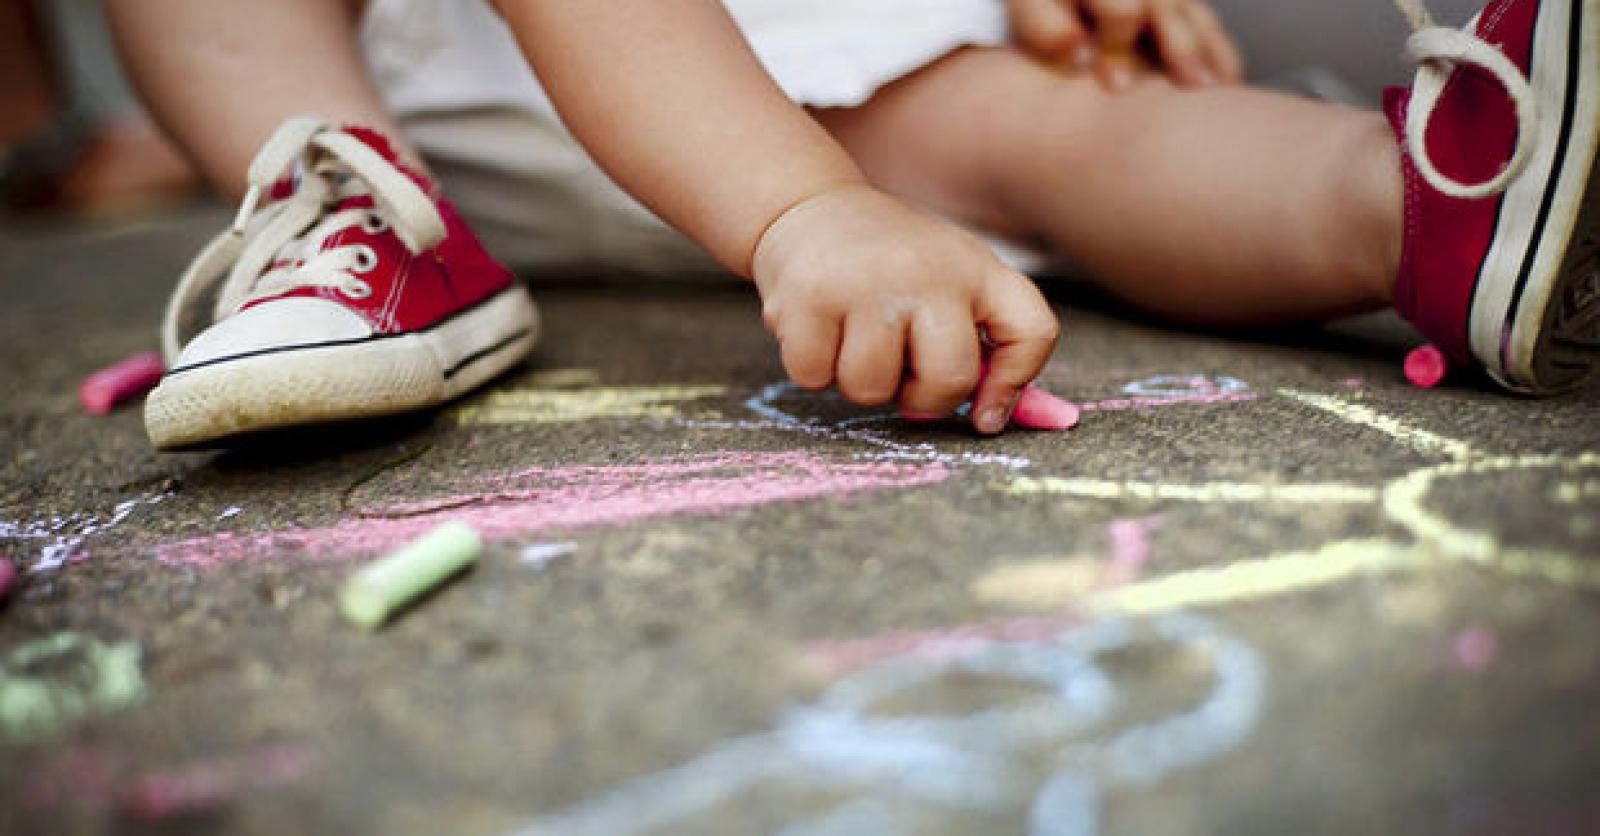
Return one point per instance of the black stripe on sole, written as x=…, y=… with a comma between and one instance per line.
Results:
x=282, y=349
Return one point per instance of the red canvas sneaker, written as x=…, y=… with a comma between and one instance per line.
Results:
x=355, y=291
x=1501, y=257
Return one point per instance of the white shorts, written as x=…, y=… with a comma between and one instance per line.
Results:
x=457, y=82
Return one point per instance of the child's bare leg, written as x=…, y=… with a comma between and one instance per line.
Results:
x=1222, y=205
x=221, y=76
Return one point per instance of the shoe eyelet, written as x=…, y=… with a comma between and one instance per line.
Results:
x=356, y=289
x=373, y=224
x=366, y=259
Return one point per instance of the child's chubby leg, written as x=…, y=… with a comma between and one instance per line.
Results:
x=220, y=77
x=1216, y=205
x=1472, y=203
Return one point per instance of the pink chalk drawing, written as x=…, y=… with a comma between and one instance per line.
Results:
x=1130, y=549
x=1474, y=649
x=513, y=505
x=836, y=658
x=210, y=784
x=99, y=780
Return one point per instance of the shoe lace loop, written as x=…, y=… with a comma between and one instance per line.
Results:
x=281, y=247
x=1438, y=51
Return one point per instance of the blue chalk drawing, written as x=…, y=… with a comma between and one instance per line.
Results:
x=983, y=761
x=881, y=442
x=1184, y=385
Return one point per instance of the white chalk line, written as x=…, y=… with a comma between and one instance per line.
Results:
x=887, y=449
x=66, y=535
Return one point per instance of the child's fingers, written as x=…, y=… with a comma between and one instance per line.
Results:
x=944, y=359
x=1179, y=45
x=1215, y=43
x=1047, y=28
x=870, y=359
x=1117, y=26
x=1022, y=330
x=810, y=347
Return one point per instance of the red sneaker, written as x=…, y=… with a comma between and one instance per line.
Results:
x=1504, y=271
x=356, y=291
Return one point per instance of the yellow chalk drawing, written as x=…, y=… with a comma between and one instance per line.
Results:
x=1207, y=492
x=1040, y=584
x=1404, y=502
x=1258, y=578
x=1051, y=585
x=1436, y=540
x=1418, y=439
x=561, y=377
x=559, y=406
x=1569, y=493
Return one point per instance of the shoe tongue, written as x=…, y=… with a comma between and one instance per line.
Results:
x=360, y=201
x=374, y=140
x=380, y=143
x=282, y=188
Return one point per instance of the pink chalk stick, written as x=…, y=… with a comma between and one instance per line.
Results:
x=1426, y=366
x=1040, y=410
x=128, y=379
x=8, y=574
x=1036, y=410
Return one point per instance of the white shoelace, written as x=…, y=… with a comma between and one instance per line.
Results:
x=333, y=165
x=1438, y=51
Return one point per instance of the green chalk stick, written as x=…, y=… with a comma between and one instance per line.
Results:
x=389, y=583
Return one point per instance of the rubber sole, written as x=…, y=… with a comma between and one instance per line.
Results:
x=385, y=375
x=1536, y=292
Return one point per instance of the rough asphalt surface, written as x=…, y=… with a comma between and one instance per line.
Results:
x=1265, y=587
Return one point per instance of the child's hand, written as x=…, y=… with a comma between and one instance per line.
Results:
x=865, y=292
x=1190, y=41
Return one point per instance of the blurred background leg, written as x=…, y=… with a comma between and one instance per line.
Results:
x=1341, y=50
x=73, y=138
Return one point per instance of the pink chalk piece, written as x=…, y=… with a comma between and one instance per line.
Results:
x=1040, y=410
x=1474, y=649
x=1354, y=382
x=1426, y=366
x=518, y=504
x=8, y=576
x=128, y=379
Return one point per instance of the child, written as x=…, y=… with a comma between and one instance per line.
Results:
x=356, y=290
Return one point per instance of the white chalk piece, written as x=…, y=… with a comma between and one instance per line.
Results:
x=380, y=588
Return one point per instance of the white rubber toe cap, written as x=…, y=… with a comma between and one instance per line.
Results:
x=295, y=322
